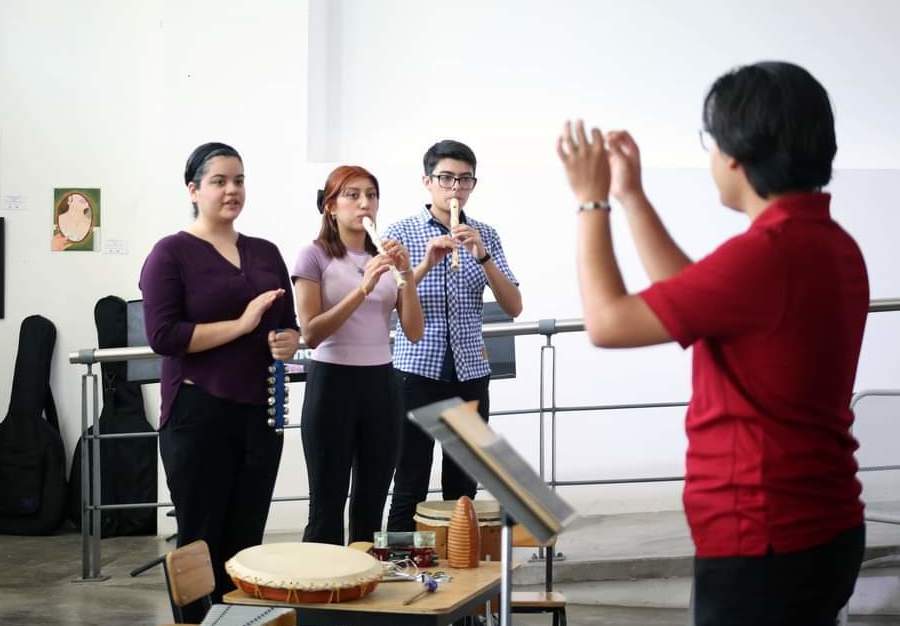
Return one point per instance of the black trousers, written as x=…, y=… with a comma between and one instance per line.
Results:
x=805, y=588
x=417, y=448
x=350, y=428
x=221, y=460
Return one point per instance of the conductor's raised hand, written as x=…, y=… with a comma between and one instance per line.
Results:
x=376, y=266
x=586, y=162
x=625, y=166
x=255, y=309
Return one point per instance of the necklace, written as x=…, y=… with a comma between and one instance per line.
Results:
x=361, y=270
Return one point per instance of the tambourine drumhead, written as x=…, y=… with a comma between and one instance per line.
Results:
x=304, y=572
x=439, y=512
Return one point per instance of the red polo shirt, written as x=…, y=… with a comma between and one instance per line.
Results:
x=776, y=318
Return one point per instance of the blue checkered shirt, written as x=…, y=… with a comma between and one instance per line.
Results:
x=448, y=297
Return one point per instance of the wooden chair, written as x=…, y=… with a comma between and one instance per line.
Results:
x=546, y=601
x=189, y=577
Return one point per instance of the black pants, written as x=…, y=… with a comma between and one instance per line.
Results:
x=350, y=427
x=806, y=588
x=221, y=459
x=417, y=448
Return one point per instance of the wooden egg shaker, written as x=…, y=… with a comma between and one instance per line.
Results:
x=464, y=536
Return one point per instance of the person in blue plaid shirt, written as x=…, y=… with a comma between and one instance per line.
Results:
x=450, y=360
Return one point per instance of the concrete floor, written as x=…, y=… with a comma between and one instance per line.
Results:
x=37, y=588
x=37, y=578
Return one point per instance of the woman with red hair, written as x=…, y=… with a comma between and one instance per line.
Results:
x=352, y=412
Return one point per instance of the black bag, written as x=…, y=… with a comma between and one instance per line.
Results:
x=127, y=466
x=32, y=456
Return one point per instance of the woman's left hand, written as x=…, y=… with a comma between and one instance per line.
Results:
x=398, y=253
x=284, y=343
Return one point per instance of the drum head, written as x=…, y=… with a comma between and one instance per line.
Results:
x=439, y=512
x=304, y=572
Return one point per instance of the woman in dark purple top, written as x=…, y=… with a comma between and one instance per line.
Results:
x=213, y=301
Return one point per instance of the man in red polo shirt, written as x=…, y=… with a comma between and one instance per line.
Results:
x=775, y=316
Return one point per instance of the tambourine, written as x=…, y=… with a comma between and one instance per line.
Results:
x=277, y=390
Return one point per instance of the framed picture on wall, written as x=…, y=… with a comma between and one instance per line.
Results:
x=76, y=219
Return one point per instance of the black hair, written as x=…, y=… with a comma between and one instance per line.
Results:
x=447, y=149
x=775, y=119
x=197, y=163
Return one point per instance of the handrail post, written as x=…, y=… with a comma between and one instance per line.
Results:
x=96, y=499
x=90, y=482
x=541, y=417
x=87, y=564
x=547, y=328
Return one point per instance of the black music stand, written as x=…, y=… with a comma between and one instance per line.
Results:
x=489, y=459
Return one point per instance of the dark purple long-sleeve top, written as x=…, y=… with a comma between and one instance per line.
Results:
x=185, y=282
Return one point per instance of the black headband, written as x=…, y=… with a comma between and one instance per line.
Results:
x=203, y=154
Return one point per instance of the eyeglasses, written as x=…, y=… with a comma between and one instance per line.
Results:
x=446, y=181
x=707, y=141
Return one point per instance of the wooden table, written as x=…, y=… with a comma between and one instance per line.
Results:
x=465, y=595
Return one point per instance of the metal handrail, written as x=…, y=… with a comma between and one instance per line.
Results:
x=873, y=393
x=89, y=356
x=882, y=305
x=876, y=516
x=91, y=507
x=502, y=329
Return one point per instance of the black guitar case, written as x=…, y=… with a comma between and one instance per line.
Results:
x=32, y=456
x=127, y=466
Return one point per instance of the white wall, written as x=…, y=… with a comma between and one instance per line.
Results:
x=116, y=94
x=504, y=76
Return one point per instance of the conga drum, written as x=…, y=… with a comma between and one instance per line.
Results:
x=302, y=573
x=435, y=515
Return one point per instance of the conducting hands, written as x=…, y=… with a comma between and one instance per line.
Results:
x=625, y=166
x=252, y=315
x=597, y=165
x=283, y=343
